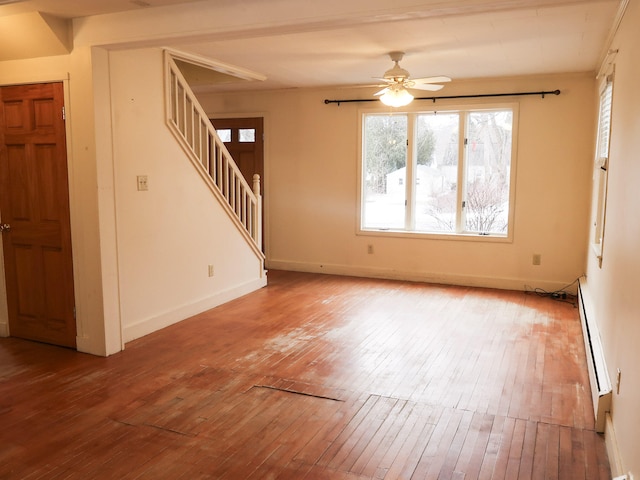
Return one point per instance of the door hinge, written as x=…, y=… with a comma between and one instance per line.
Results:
x=64, y=114
x=74, y=313
x=466, y=142
x=464, y=203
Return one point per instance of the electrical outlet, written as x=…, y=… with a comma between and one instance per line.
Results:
x=143, y=183
x=211, y=271
x=370, y=249
x=537, y=259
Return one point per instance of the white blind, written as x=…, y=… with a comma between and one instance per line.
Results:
x=604, y=122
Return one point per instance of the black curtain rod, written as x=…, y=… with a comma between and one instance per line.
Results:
x=482, y=95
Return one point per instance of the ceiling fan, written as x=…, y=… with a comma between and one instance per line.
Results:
x=397, y=82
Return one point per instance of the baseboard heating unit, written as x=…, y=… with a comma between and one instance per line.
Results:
x=598, y=376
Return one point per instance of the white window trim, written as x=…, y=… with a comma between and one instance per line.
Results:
x=415, y=108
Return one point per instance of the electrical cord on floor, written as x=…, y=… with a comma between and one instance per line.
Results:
x=560, y=295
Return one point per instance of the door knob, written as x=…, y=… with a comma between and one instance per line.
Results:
x=5, y=227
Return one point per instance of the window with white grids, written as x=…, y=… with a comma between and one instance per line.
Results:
x=443, y=172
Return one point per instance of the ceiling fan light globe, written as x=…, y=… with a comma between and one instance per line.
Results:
x=396, y=97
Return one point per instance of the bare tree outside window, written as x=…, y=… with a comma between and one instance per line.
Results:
x=488, y=174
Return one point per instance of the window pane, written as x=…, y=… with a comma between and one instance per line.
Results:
x=437, y=172
x=488, y=172
x=384, y=171
x=247, y=135
x=224, y=134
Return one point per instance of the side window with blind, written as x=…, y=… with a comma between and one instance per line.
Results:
x=602, y=165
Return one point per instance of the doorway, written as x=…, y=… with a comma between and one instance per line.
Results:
x=244, y=138
x=34, y=205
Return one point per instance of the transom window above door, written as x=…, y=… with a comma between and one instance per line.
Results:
x=245, y=135
x=224, y=134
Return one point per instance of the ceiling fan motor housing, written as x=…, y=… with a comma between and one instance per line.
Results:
x=397, y=73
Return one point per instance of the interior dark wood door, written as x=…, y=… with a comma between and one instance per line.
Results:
x=34, y=203
x=243, y=137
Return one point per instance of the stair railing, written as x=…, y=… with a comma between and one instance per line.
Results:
x=190, y=124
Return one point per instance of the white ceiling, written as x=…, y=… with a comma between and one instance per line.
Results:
x=79, y=8
x=349, y=46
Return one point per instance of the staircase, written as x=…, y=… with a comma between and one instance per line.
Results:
x=191, y=126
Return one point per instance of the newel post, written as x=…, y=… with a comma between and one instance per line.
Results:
x=257, y=221
x=256, y=184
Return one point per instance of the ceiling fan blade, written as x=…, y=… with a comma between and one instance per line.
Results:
x=381, y=91
x=427, y=86
x=382, y=79
x=440, y=79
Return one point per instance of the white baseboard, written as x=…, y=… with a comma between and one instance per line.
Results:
x=412, y=276
x=152, y=324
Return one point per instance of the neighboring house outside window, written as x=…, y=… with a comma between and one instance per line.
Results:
x=444, y=172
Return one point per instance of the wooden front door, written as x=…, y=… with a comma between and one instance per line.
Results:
x=34, y=209
x=244, y=138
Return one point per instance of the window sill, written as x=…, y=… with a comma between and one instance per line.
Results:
x=468, y=237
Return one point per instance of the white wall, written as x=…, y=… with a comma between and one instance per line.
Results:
x=312, y=183
x=614, y=287
x=166, y=236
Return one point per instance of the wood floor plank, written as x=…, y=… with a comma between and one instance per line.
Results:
x=349, y=436
x=514, y=460
x=528, y=451
x=472, y=470
x=412, y=414
x=373, y=454
x=504, y=451
x=315, y=376
x=406, y=462
x=464, y=451
x=497, y=437
x=275, y=434
x=434, y=455
x=461, y=446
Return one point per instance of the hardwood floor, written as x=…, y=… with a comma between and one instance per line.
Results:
x=315, y=377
